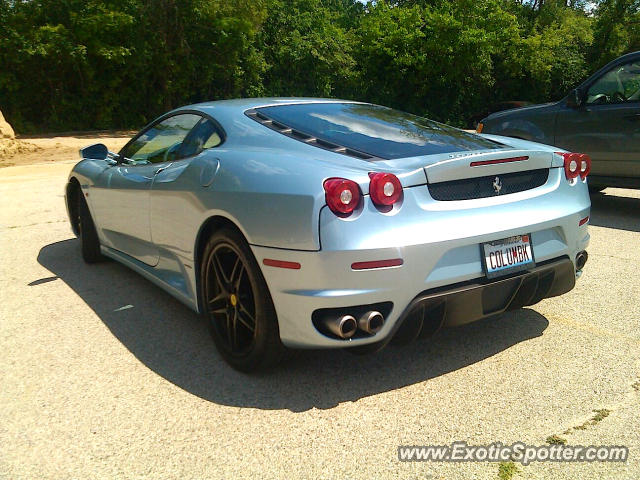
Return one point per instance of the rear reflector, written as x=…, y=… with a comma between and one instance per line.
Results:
x=394, y=262
x=498, y=160
x=281, y=264
x=583, y=221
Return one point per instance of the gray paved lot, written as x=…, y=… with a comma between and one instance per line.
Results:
x=102, y=375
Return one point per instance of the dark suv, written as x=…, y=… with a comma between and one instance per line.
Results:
x=601, y=117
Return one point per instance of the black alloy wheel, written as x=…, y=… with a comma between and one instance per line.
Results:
x=237, y=303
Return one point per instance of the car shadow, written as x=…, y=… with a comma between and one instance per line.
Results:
x=613, y=211
x=174, y=342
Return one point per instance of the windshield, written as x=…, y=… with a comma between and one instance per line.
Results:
x=378, y=131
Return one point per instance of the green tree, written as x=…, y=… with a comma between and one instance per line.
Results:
x=115, y=63
x=435, y=60
x=616, y=30
x=308, y=47
x=84, y=64
x=550, y=56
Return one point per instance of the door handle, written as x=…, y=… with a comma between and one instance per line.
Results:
x=162, y=169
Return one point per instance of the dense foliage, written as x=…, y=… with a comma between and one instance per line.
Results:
x=94, y=64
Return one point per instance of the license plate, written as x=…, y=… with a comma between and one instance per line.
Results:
x=508, y=255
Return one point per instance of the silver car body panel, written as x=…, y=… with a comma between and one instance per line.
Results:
x=270, y=187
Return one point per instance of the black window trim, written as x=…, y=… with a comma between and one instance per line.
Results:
x=314, y=140
x=162, y=118
x=304, y=137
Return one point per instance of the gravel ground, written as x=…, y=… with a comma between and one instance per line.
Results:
x=105, y=376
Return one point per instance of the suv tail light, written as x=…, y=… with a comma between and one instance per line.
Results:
x=576, y=165
x=342, y=195
x=385, y=188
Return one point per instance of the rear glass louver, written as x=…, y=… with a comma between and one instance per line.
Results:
x=306, y=138
x=366, y=131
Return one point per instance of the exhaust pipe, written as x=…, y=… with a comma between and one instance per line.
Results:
x=343, y=326
x=581, y=259
x=371, y=322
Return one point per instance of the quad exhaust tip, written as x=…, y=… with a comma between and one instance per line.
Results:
x=344, y=326
x=581, y=260
x=371, y=322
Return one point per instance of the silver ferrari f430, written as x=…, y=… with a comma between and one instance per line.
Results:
x=314, y=223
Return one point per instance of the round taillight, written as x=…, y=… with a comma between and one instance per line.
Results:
x=576, y=165
x=385, y=188
x=571, y=165
x=585, y=165
x=342, y=195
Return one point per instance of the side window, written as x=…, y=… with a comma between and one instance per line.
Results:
x=162, y=141
x=203, y=136
x=620, y=84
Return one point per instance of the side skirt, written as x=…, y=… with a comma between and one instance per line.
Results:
x=164, y=278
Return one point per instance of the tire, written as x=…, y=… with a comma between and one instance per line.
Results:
x=237, y=304
x=89, y=242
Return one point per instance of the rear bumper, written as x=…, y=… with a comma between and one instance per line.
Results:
x=470, y=301
x=440, y=245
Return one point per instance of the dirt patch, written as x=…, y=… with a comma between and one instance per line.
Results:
x=45, y=149
x=6, y=131
x=10, y=148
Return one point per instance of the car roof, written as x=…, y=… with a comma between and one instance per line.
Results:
x=249, y=103
x=628, y=56
x=230, y=114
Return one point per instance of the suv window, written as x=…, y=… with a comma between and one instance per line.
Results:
x=620, y=84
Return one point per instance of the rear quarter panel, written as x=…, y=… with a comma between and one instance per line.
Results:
x=273, y=196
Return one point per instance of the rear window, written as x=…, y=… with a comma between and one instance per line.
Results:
x=377, y=131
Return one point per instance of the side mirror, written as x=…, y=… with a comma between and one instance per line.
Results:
x=98, y=151
x=574, y=99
